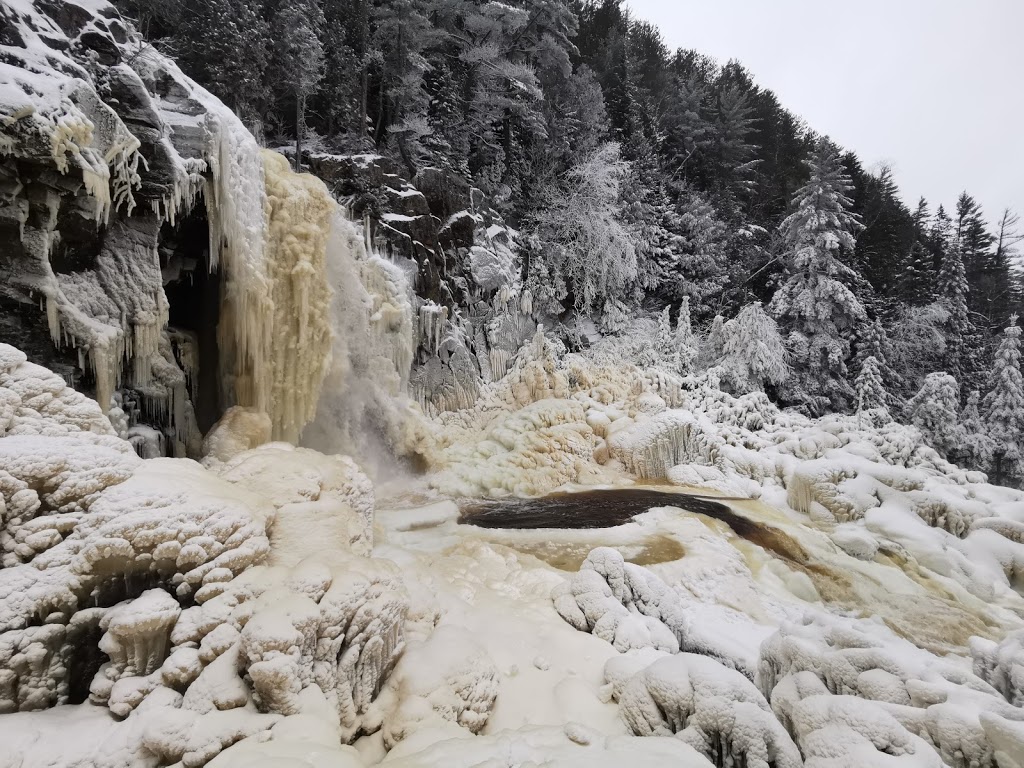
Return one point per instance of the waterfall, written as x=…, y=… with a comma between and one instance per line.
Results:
x=362, y=407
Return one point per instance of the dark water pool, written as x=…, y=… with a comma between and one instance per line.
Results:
x=618, y=506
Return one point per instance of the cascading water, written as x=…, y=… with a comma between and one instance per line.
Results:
x=360, y=408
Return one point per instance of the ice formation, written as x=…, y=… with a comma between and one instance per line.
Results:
x=152, y=565
x=268, y=226
x=276, y=323
x=715, y=710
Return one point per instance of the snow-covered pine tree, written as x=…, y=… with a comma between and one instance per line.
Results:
x=666, y=342
x=712, y=347
x=915, y=281
x=873, y=341
x=1004, y=405
x=816, y=309
x=686, y=341
x=690, y=250
x=978, y=446
x=871, y=394
x=952, y=289
x=935, y=410
x=754, y=353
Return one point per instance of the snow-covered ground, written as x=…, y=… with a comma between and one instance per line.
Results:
x=267, y=609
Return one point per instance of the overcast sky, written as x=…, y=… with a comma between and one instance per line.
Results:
x=934, y=88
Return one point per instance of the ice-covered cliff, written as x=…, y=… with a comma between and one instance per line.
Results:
x=180, y=268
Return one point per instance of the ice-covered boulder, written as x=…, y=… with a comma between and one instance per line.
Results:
x=715, y=710
x=238, y=430
x=1001, y=665
x=884, y=689
x=633, y=609
x=322, y=502
x=846, y=731
x=448, y=679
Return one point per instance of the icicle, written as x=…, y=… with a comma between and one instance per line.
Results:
x=526, y=303
x=431, y=326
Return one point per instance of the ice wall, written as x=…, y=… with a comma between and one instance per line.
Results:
x=274, y=334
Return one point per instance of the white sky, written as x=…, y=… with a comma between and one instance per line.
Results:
x=935, y=88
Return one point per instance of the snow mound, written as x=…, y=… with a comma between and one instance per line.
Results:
x=715, y=710
x=238, y=430
x=36, y=401
x=526, y=452
x=632, y=608
x=622, y=603
x=1002, y=665
x=878, y=677
x=449, y=678
x=322, y=502
x=845, y=731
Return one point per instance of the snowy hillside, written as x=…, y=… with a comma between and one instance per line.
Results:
x=478, y=447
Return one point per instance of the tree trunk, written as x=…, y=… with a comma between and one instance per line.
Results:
x=365, y=79
x=403, y=148
x=298, y=132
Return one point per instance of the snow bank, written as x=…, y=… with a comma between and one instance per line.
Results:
x=573, y=746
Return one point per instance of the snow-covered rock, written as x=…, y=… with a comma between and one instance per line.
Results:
x=715, y=710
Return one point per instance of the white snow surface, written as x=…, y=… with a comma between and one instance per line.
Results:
x=258, y=609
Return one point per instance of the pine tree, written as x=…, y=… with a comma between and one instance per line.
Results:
x=952, y=290
x=1004, y=405
x=342, y=96
x=978, y=447
x=987, y=279
x=889, y=235
x=713, y=346
x=935, y=410
x=225, y=45
x=873, y=341
x=686, y=341
x=915, y=281
x=753, y=353
x=814, y=305
x=871, y=392
x=690, y=250
x=666, y=343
